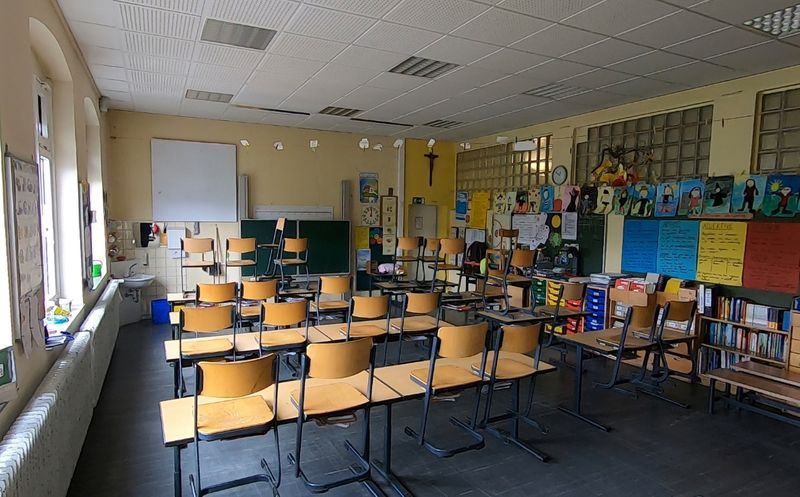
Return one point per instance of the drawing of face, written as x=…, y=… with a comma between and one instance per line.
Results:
x=667, y=190
x=786, y=191
x=643, y=192
x=717, y=189
x=623, y=194
x=695, y=192
x=750, y=183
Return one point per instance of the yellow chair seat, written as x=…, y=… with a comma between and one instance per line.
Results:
x=364, y=330
x=206, y=347
x=414, y=326
x=331, y=305
x=233, y=415
x=187, y=263
x=291, y=262
x=326, y=399
x=281, y=338
x=445, y=267
x=251, y=311
x=445, y=376
x=507, y=369
x=241, y=263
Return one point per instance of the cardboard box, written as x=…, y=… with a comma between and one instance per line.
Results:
x=794, y=360
x=796, y=319
x=638, y=299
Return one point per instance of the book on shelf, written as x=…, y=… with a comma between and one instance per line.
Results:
x=744, y=311
x=747, y=341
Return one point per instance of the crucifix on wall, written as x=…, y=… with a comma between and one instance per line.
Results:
x=431, y=157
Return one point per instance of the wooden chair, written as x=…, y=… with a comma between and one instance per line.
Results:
x=252, y=294
x=456, y=249
x=515, y=264
x=323, y=399
x=280, y=315
x=240, y=414
x=518, y=351
x=453, y=342
x=430, y=254
x=216, y=293
x=339, y=286
x=419, y=304
x=200, y=246
x=298, y=247
x=240, y=246
x=205, y=321
x=273, y=247
x=376, y=307
x=406, y=244
x=559, y=312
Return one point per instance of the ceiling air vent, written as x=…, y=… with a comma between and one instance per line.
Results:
x=238, y=35
x=277, y=111
x=209, y=96
x=443, y=123
x=423, y=68
x=375, y=121
x=555, y=91
x=339, y=111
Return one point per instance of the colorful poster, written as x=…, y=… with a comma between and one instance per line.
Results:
x=535, y=200
x=691, y=201
x=533, y=229
x=667, y=199
x=570, y=199
x=642, y=199
x=588, y=199
x=389, y=241
x=511, y=200
x=622, y=200
x=720, y=252
x=362, y=259
x=748, y=193
x=478, y=210
x=375, y=236
x=781, y=198
x=368, y=188
x=717, y=198
x=547, y=195
x=499, y=203
x=677, y=249
x=462, y=205
x=640, y=246
x=605, y=200
x=362, y=237
x=521, y=202
x=780, y=272
x=558, y=198
x=569, y=226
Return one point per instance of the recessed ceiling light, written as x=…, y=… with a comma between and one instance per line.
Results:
x=423, y=68
x=339, y=111
x=780, y=23
x=555, y=91
x=209, y=96
x=238, y=35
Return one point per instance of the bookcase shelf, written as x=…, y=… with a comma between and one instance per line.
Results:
x=744, y=353
x=750, y=326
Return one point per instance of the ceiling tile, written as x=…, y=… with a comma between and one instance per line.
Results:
x=157, y=105
x=718, y=42
x=211, y=77
x=393, y=81
x=105, y=56
x=144, y=82
x=598, y=99
x=304, y=47
x=270, y=14
x=158, y=45
x=348, y=77
x=194, y=7
x=107, y=72
x=278, y=119
x=275, y=83
x=671, y=29
x=696, y=74
x=328, y=24
x=369, y=8
x=95, y=34
x=456, y=50
x=442, y=16
x=510, y=61
x=199, y=108
x=643, y=87
x=111, y=85
x=466, y=78
x=554, y=70
x=158, y=22
x=606, y=52
x=396, y=38
x=764, y=57
x=368, y=58
x=553, y=10
x=289, y=66
x=118, y=96
x=557, y=40
x=738, y=11
x=94, y=12
x=242, y=115
x=512, y=85
x=615, y=16
x=649, y=62
x=227, y=56
x=149, y=63
x=439, y=110
x=596, y=78
x=500, y=27
x=366, y=97
x=261, y=97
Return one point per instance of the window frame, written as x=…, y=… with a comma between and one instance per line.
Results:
x=500, y=168
x=43, y=131
x=778, y=133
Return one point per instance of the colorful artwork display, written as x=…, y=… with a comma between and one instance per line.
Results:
x=547, y=196
x=368, y=188
x=535, y=200
x=667, y=199
x=622, y=200
x=588, y=199
x=570, y=199
x=781, y=196
x=717, y=197
x=691, y=200
x=521, y=202
x=605, y=200
x=748, y=193
x=642, y=202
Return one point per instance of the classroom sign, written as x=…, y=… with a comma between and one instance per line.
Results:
x=677, y=249
x=720, y=252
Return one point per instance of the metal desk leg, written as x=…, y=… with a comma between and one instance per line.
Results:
x=177, y=483
x=578, y=396
x=384, y=468
x=712, y=393
x=176, y=379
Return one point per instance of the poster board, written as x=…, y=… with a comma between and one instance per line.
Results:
x=772, y=257
x=640, y=246
x=677, y=249
x=720, y=252
x=533, y=229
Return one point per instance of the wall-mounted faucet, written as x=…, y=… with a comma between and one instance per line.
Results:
x=130, y=269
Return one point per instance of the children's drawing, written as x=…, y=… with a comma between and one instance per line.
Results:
x=691, y=201
x=717, y=198
x=748, y=193
x=642, y=199
x=499, y=203
x=368, y=188
x=521, y=202
x=547, y=194
x=667, y=199
x=622, y=200
x=605, y=200
x=781, y=198
x=511, y=200
x=570, y=200
x=588, y=199
x=535, y=200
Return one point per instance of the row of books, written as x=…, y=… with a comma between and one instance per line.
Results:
x=743, y=310
x=715, y=359
x=761, y=344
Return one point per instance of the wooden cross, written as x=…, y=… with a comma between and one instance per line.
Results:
x=431, y=157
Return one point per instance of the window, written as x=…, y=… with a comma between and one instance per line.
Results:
x=678, y=143
x=44, y=147
x=501, y=168
x=777, y=140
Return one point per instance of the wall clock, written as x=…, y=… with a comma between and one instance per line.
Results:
x=370, y=215
x=559, y=175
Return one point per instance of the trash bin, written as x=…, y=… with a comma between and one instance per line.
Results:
x=159, y=310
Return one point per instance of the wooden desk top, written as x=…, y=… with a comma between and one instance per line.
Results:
x=399, y=285
x=333, y=330
x=299, y=292
x=670, y=335
x=179, y=297
x=563, y=312
x=174, y=318
x=513, y=317
x=771, y=388
x=177, y=415
x=768, y=372
x=589, y=339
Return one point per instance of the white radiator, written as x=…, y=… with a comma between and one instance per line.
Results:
x=39, y=453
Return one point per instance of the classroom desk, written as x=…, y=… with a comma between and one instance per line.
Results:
x=334, y=330
x=513, y=317
x=588, y=342
x=179, y=298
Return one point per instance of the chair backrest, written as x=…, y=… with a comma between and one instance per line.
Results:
x=679, y=310
x=522, y=258
x=216, y=293
x=336, y=360
x=572, y=291
x=452, y=246
x=432, y=245
x=462, y=341
x=280, y=224
x=259, y=290
x=236, y=379
x=370, y=307
x=285, y=313
x=197, y=245
x=496, y=262
x=295, y=245
x=521, y=339
x=335, y=285
x=423, y=303
x=408, y=243
x=207, y=319
x=240, y=245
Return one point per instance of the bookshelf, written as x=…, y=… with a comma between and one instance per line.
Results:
x=727, y=341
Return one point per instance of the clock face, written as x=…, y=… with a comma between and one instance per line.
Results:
x=560, y=175
x=370, y=215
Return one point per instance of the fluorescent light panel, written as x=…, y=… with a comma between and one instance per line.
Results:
x=555, y=91
x=443, y=123
x=208, y=96
x=780, y=23
x=339, y=111
x=237, y=35
x=423, y=68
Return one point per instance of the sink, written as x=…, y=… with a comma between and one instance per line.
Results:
x=137, y=281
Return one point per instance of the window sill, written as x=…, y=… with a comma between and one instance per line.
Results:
x=69, y=325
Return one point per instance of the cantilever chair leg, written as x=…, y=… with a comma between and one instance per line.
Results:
x=512, y=436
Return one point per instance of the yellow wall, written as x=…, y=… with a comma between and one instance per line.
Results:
x=293, y=176
x=442, y=192
x=17, y=132
x=731, y=139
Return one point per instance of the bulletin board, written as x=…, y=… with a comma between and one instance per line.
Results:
x=720, y=252
x=772, y=257
x=640, y=246
x=677, y=249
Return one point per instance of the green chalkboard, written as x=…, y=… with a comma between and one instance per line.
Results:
x=328, y=243
x=591, y=240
